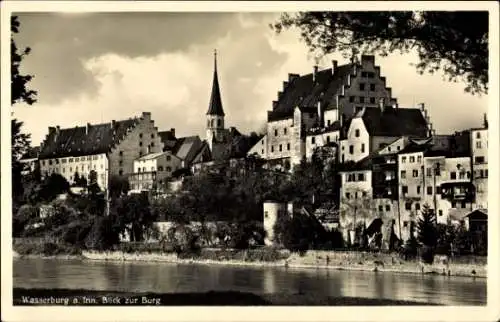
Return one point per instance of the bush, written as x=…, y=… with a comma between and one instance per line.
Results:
x=45, y=248
x=427, y=254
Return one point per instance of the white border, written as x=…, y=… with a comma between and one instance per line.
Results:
x=487, y=313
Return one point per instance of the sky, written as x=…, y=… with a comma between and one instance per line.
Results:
x=97, y=67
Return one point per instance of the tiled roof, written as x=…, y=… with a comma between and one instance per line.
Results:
x=151, y=156
x=186, y=148
x=303, y=92
x=335, y=126
x=394, y=121
x=438, y=145
x=76, y=141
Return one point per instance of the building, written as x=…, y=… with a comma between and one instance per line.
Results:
x=435, y=172
x=29, y=160
x=272, y=210
x=153, y=171
x=479, y=145
x=107, y=149
x=322, y=100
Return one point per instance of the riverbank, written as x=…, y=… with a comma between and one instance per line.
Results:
x=22, y=296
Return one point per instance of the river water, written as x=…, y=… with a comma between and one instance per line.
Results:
x=166, y=277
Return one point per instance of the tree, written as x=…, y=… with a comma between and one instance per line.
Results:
x=427, y=233
x=133, y=214
x=358, y=205
x=20, y=145
x=455, y=42
x=19, y=90
x=118, y=186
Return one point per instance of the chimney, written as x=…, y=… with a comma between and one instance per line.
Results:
x=381, y=104
x=172, y=130
x=113, y=124
x=334, y=67
x=58, y=129
x=291, y=77
x=315, y=73
x=320, y=114
x=146, y=115
x=422, y=106
x=485, y=120
x=87, y=129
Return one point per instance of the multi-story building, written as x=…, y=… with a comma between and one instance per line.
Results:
x=322, y=100
x=479, y=146
x=107, y=149
x=152, y=171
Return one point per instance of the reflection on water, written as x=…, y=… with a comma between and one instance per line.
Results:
x=163, y=277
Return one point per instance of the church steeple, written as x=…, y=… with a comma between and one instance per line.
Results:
x=215, y=105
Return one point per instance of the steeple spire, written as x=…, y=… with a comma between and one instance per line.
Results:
x=215, y=105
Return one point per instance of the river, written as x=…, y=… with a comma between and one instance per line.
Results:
x=166, y=277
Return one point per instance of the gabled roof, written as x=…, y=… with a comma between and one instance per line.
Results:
x=85, y=140
x=302, y=91
x=335, y=126
x=438, y=145
x=215, y=105
x=187, y=147
x=393, y=121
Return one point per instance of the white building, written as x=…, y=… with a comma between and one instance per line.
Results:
x=153, y=171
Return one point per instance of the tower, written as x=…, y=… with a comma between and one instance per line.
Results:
x=215, y=113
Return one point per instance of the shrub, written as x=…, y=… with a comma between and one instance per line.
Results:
x=427, y=254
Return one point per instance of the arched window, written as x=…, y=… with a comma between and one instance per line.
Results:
x=219, y=123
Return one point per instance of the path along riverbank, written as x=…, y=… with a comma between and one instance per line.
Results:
x=333, y=260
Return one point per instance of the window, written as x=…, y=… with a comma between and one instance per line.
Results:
x=363, y=74
x=371, y=74
x=417, y=206
x=478, y=135
x=152, y=144
x=168, y=169
x=405, y=223
x=403, y=160
x=152, y=136
x=403, y=174
x=361, y=99
x=453, y=175
x=412, y=159
x=461, y=175
x=356, y=133
x=63, y=170
x=50, y=162
x=143, y=169
x=351, y=99
x=168, y=158
x=121, y=162
x=284, y=131
x=121, y=153
x=372, y=100
x=361, y=177
x=463, y=204
x=429, y=172
x=351, y=149
x=266, y=214
x=120, y=172
x=418, y=190
x=478, y=144
x=139, y=170
x=419, y=158
x=208, y=123
x=275, y=132
x=438, y=190
x=140, y=135
x=486, y=173
x=389, y=148
x=380, y=208
x=272, y=148
x=348, y=195
x=140, y=143
x=70, y=169
x=152, y=169
x=429, y=190
x=364, y=193
x=387, y=207
x=281, y=148
x=313, y=140
x=327, y=139
x=468, y=174
x=408, y=205
x=404, y=189
x=453, y=204
x=372, y=87
x=362, y=147
x=361, y=86
x=415, y=173
x=219, y=122
x=440, y=212
x=329, y=122
x=64, y=161
x=438, y=172
x=479, y=159
x=262, y=151
x=288, y=146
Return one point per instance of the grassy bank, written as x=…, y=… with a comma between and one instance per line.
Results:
x=23, y=296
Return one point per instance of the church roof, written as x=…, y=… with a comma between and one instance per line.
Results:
x=85, y=140
x=215, y=105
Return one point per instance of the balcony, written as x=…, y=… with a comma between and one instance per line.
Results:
x=458, y=191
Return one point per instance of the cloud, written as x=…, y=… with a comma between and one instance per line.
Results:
x=98, y=67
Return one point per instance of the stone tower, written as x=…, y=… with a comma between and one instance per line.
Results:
x=215, y=113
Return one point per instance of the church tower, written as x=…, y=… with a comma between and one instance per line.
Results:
x=215, y=114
